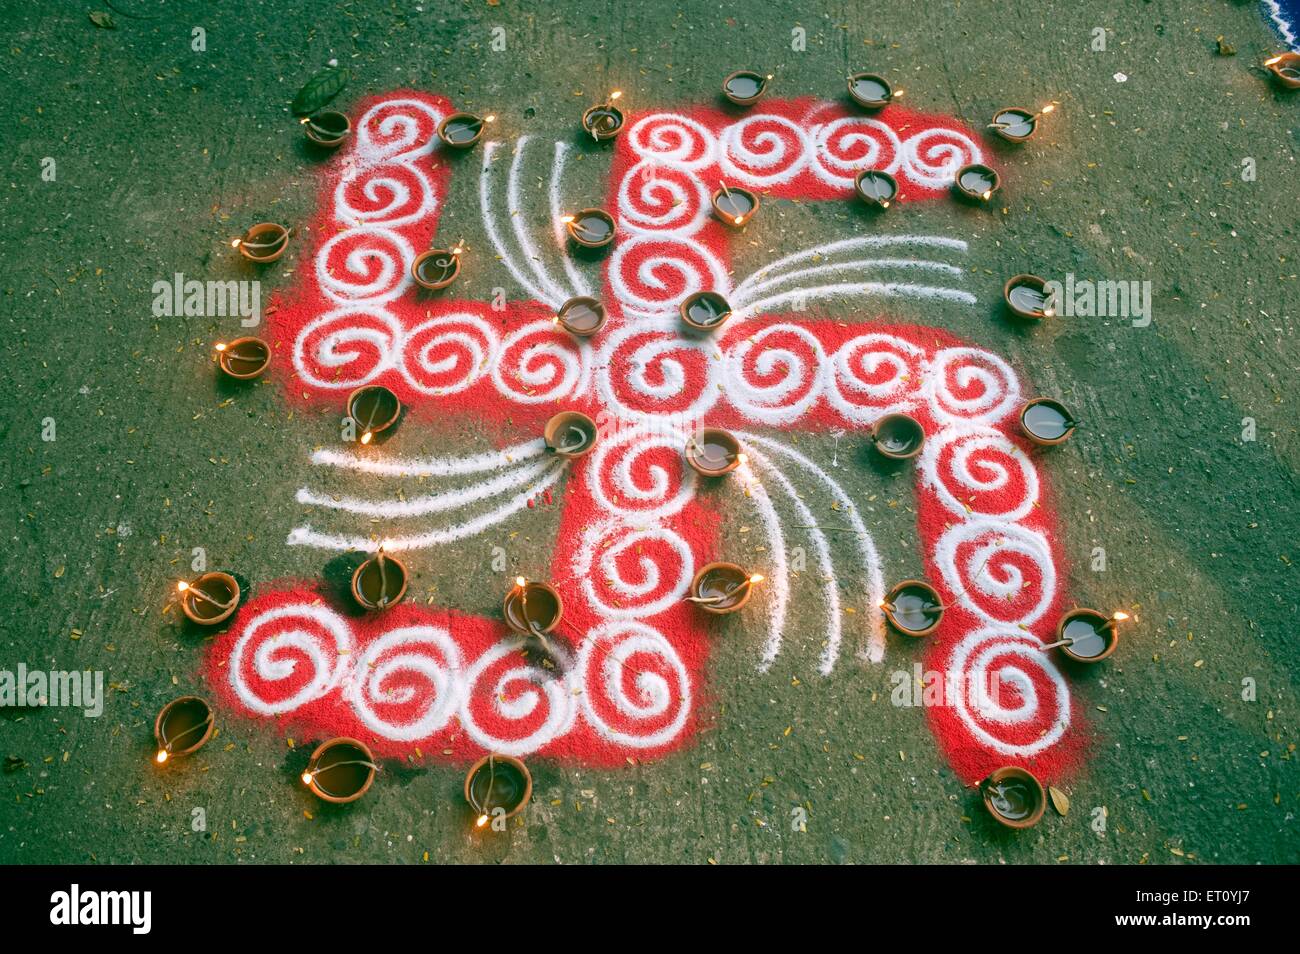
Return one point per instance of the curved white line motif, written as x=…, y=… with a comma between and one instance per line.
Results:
x=871, y=562
x=531, y=256
x=580, y=283
x=780, y=585
x=507, y=257
x=830, y=589
x=431, y=466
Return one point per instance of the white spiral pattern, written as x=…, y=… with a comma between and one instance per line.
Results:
x=639, y=472
x=971, y=385
x=1006, y=575
x=932, y=157
x=844, y=147
x=397, y=128
x=874, y=375
x=661, y=557
x=389, y=194
x=652, y=274
x=537, y=366
x=673, y=140
x=448, y=354
x=979, y=470
x=535, y=705
x=1013, y=699
x=656, y=198
x=368, y=263
x=763, y=150
x=424, y=653
x=634, y=680
x=280, y=640
x=774, y=375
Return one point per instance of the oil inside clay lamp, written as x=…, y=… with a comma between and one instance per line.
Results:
x=1046, y=421
x=497, y=786
x=182, y=726
x=722, y=588
x=1285, y=68
x=327, y=129
x=210, y=599
x=604, y=122
x=913, y=607
x=876, y=188
x=1028, y=297
x=263, y=242
x=570, y=434
x=243, y=358
x=380, y=581
x=745, y=87
x=581, y=316
x=532, y=608
x=705, y=311
x=713, y=452
x=340, y=770
x=1015, y=124
x=898, y=436
x=1087, y=635
x=1014, y=797
x=438, y=267
x=871, y=91
x=374, y=408
x=463, y=130
x=976, y=182
x=733, y=205
x=592, y=228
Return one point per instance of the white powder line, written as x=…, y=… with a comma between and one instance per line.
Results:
x=776, y=607
x=485, y=209
x=859, y=264
x=561, y=241
x=863, y=241
x=305, y=536
x=428, y=503
x=432, y=466
x=871, y=561
x=857, y=290
x=829, y=586
x=531, y=256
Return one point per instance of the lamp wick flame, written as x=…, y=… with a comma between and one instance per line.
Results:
x=365, y=438
x=521, y=582
x=756, y=578
x=482, y=820
x=1119, y=615
x=161, y=757
x=182, y=586
x=307, y=777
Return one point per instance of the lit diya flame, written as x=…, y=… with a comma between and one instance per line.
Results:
x=189, y=589
x=604, y=121
x=188, y=715
x=1016, y=124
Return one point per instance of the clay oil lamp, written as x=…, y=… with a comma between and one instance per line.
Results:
x=438, y=267
x=1285, y=68
x=722, y=588
x=1015, y=124
x=913, y=608
x=1047, y=422
x=604, y=122
x=210, y=599
x=182, y=727
x=463, y=130
x=876, y=188
x=705, y=311
x=243, y=358
x=712, y=452
x=340, y=770
x=497, y=786
x=379, y=582
x=1028, y=297
x=734, y=206
x=532, y=608
x=570, y=434
x=375, y=408
x=1014, y=797
x=581, y=316
x=871, y=91
x=898, y=436
x=328, y=129
x=745, y=87
x=976, y=182
x=262, y=243
x=590, y=228
x=1086, y=635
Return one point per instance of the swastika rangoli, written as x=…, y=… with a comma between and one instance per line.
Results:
x=633, y=529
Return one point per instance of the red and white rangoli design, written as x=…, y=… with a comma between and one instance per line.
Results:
x=633, y=528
